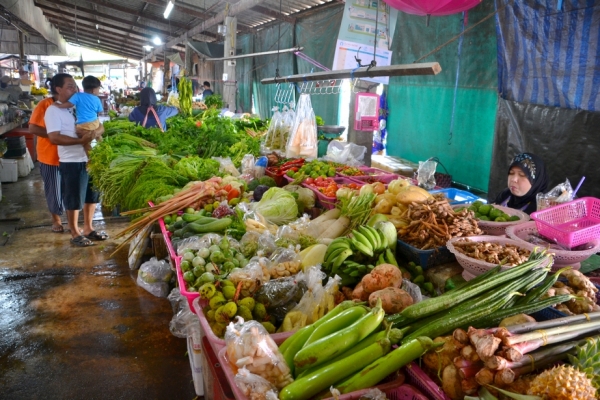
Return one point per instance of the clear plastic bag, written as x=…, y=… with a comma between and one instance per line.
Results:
x=184, y=323
x=260, y=166
x=227, y=166
x=254, y=386
x=561, y=193
x=303, y=136
x=255, y=222
x=316, y=301
x=248, y=345
x=281, y=295
x=249, y=244
x=345, y=153
x=196, y=243
x=273, y=135
x=138, y=247
x=285, y=262
x=251, y=276
x=412, y=289
x=426, y=174
x=154, y=276
x=248, y=164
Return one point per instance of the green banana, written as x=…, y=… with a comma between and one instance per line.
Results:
x=390, y=257
x=362, y=243
x=362, y=269
x=381, y=260
x=381, y=242
x=384, y=240
x=331, y=258
x=340, y=259
x=373, y=239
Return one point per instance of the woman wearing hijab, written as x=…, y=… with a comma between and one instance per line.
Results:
x=527, y=177
x=147, y=113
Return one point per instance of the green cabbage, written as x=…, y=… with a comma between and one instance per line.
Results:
x=278, y=206
x=306, y=197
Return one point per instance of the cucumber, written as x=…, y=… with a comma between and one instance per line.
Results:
x=217, y=225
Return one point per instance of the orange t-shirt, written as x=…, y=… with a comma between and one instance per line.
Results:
x=46, y=151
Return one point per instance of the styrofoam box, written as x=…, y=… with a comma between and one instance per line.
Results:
x=8, y=170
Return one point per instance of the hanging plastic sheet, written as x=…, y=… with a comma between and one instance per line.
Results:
x=548, y=53
x=569, y=145
x=381, y=133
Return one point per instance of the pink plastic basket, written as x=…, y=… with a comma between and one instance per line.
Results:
x=423, y=382
x=217, y=343
x=471, y=265
x=522, y=232
x=570, y=224
x=395, y=389
x=329, y=202
x=190, y=296
x=499, y=228
x=385, y=179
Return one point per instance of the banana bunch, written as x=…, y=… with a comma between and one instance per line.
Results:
x=353, y=257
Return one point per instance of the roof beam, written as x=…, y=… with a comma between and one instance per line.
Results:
x=233, y=11
x=106, y=48
x=139, y=14
x=102, y=39
x=65, y=25
x=180, y=8
x=107, y=43
x=60, y=15
x=54, y=3
x=274, y=14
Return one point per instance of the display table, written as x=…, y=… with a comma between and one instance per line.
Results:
x=9, y=127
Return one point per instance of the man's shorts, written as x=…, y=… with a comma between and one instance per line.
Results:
x=76, y=186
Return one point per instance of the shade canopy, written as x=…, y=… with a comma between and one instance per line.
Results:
x=432, y=7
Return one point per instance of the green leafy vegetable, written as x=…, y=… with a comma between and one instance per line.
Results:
x=278, y=206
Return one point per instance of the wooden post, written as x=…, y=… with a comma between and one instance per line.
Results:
x=21, y=50
x=166, y=72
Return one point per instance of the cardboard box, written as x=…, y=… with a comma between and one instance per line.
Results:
x=8, y=170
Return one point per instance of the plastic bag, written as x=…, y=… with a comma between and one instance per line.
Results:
x=173, y=99
x=561, y=193
x=255, y=222
x=284, y=262
x=281, y=295
x=426, y=174
x=254, y=386
x=303, y=136
x=249, y=345
x=248, y=165
x=251, y=276
x=184, y=322
x=260, y=167
x=249, y=244
x=345, y=153
x=154, y=276
x=227, y=166
x=317, y=300
x=295, y=233
x=196, y=243
x=412, y=289
x=274, y=132
x=138, y=247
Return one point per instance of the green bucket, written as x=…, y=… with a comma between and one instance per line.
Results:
x=323, y=143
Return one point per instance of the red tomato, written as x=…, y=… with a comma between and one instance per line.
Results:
x=227, y=187
x=309, y=181
x=319, y=179
x=233, y=193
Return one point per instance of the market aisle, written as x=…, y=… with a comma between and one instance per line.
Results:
x=73, y=323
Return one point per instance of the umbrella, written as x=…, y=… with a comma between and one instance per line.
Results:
x=432, y=7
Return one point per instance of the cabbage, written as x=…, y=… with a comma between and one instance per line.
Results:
x=278, y=206
x=306, y=197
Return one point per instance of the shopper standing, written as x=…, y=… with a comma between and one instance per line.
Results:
x=47, y=154
x=207, y=91
x=76, y=187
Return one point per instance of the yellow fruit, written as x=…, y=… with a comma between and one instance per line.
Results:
x=248, y=303
x=269, y=327
x=412, y=194
x=230, y=309
x=562, y=383
x=217, y=301
x=316, y=255
x=228, y=292
x=244, y=312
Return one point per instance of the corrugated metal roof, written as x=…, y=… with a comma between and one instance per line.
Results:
x=127, y=25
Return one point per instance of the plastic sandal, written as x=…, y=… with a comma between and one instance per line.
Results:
x=81, y=241
x=95, y=235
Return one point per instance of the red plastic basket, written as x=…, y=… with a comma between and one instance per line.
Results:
x=423, y=382
x=570, y=224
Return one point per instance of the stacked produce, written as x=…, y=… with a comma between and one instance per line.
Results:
x=185, y=96
x=506, y=254
x=487, y=212
x=576, y=284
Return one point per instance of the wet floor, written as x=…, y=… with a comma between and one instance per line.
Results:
x=73, y=322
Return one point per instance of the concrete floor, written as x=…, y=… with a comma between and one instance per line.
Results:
x=73, y=322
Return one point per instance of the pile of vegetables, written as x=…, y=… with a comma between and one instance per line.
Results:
x=495, y=253
x=487, y=212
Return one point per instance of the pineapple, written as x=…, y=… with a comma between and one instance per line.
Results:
x=588, y=360
x=562, y=383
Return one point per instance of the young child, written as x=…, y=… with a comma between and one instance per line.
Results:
x=87, y=105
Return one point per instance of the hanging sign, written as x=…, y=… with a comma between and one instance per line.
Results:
x=366, y=33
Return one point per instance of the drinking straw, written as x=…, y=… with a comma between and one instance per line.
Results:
x=578, y=186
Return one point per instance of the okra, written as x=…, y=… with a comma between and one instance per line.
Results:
x=446, y=301
x=340, y=321
x=330, y=346
x=322, y=378
x=383, y=366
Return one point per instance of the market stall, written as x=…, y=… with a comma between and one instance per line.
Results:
x=300, y=274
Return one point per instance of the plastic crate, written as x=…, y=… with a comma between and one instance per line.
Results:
x=395, y=389
x=425, y=258
x=547, y=314
x=216, y=342
x=373, y=171
x=423, y=382
x=216, y=386
x=9, y=171
x=456, y=196
x=570, y=224
x=329, y=202
x=385, y=179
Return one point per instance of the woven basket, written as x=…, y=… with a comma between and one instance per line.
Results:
x=521, y=232
x=499, y=228
x=477, y=267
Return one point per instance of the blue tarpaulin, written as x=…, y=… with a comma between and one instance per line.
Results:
x=549, y=54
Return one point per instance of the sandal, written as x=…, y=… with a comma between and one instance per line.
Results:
x=58, y=229
x=95, y=235
x=81, y=241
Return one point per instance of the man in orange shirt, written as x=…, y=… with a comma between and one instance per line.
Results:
x=48, y=159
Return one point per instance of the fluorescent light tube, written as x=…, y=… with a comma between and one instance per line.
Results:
x=168, y=9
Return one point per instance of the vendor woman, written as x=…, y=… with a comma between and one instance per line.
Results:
x=147, y=113
x=527, y=177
